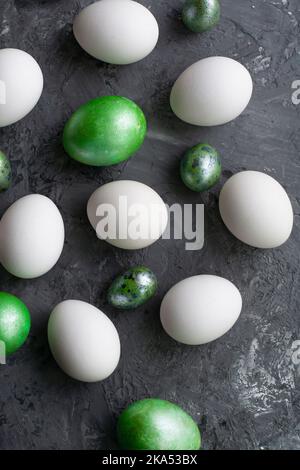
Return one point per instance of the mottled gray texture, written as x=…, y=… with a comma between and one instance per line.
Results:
x=242, y=389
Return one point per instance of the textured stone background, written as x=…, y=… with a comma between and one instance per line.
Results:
x=243, y=389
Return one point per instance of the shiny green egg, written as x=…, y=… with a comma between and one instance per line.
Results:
x=133, y=288
x=105, y=131
x=5, y=172
x=154, y=424
x=201, y=15
x=14, y=323
x=200, y=167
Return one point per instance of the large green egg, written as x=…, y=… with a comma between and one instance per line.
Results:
x=201, y=15
x=133, y=288
x=154, y=424
x=14, y=322
x=5, y=172
x=105, y=131
x=200, y=168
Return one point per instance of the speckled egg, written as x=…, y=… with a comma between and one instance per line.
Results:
x=5, y=172
x=201, y=15
x=200, y=168
x=154, y=424
x=105, y=131
x=133, y=288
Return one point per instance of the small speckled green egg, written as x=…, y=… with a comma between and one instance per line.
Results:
x=201, y=15
x=154, y=424
x=133, y=288
x=200, y=168
x=14, y=322
x=105, y=131
x=5, y=172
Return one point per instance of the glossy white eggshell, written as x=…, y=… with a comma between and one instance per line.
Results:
x=211, y=92
x=200, y=309
x=135, y=193
x=256, y=209
x=83, y=341
x=21, y=85
x=31, y=236
x=116, y=31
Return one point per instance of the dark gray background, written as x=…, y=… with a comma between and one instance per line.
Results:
x=243, y=389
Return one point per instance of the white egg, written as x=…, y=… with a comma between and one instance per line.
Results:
x=116, y=31
x=127, y=214
x=21, y=85
x=31, y=236
x=200, y=309
x=83, y=341
x=256, y=209
x=212, y=92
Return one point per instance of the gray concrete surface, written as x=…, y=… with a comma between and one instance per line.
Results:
x=243, y=389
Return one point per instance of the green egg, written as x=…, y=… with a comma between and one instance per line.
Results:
x=5, y=172
x=201, y=15
x=133, y=288
x=154, y=424
x=105, y=131
x=200, y=168
x=14, y=322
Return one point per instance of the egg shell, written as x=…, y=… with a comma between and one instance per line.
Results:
x=21, y=85
x=124, y=197
x=5, y=172
x=83, y=341
x=105, y=131
x=256, y=209
x=154, y=424
x=132, y=288
x=201, y=15
x=14, y=322
x=211, y=92
x=116, y=31
x=31, y=236
x=200, y=309
x=200, y=167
